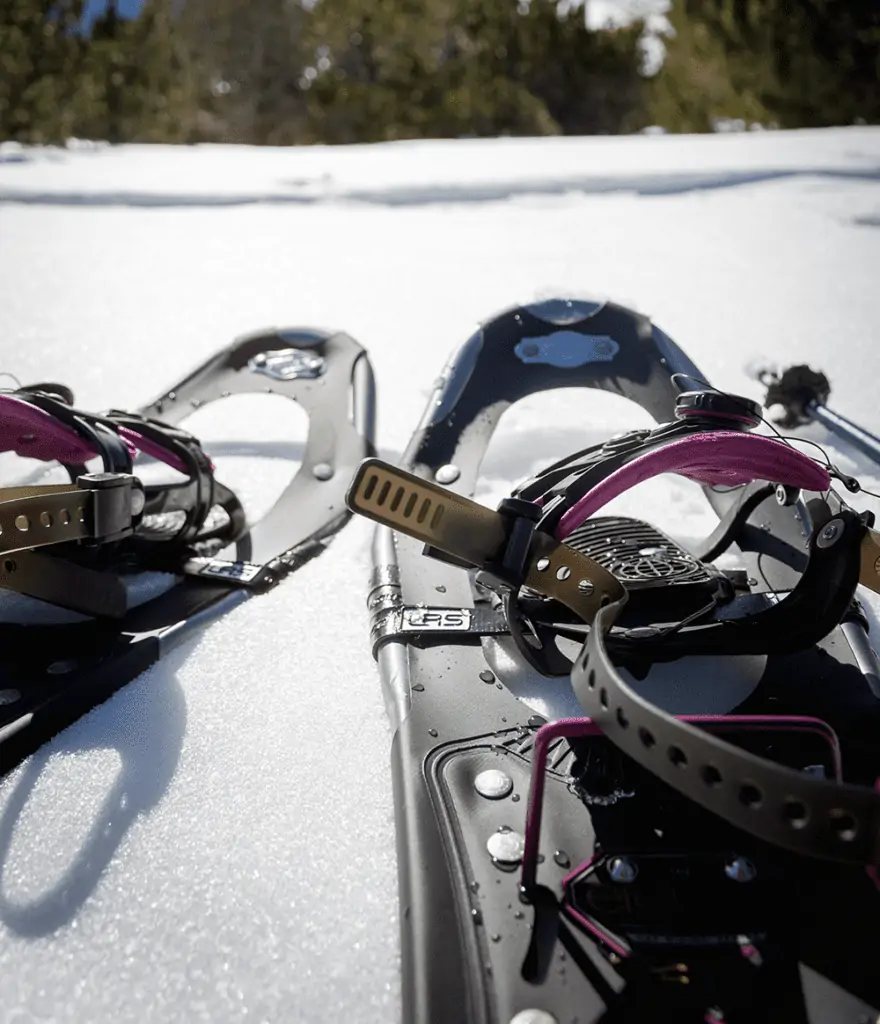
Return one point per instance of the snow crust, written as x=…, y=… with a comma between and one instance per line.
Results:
x=216, y=843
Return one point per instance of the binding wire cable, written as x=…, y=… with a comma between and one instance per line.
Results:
x=851, y=483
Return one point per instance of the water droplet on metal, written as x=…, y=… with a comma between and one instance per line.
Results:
x=474, y=886
x=493, y=784
x=541, y=858
x=506, y=847
x=323, y=471
x=740, y=869
x=519, y=915
x=9, y=696
x=533, y=1017
x=441, y=589
x=495, y=937
x=536, y=721
x=418, y=687
x=498, y=686
x=515, y=798
x=477, y=916
x=562, y=859
x=487, y=676
x=432, y=732
x=622, y=870
x=447, y=474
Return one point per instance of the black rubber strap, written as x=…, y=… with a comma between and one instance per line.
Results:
x=810, y=816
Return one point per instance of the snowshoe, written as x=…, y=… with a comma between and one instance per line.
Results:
x=632, y=784
x=103, y=575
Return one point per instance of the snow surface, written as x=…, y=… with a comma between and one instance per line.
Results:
x=216, y=843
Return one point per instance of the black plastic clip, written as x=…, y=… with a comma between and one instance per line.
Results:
x=523, y=517
x=510, y=568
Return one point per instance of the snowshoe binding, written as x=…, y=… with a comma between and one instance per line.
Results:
x=632, y=784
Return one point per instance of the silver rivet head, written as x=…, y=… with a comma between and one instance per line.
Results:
x=533, y=1017
x=323, y=471
x=563, y=572
x=493, y=784
x=622, y=870
x=585, y=586
x=830, y=533
x=138, y=501
x=447, y=474
x=61, y=668
x=506, y=846
x=543, y=564
x=740, y=869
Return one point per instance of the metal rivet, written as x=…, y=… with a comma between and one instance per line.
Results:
x=543, y=564
x=60, y=668
x=585, y=586
x=22, y=523
x=447, y=474
x=45, y=519
x=532, y=1016
x=740, y=869
x=493, y=784
x=81, y=514
x=622, y=870
x=138, y=501
x=64, y=516
x=563, y=572
x=830, y=534
x=323, y=471
x=507, y=847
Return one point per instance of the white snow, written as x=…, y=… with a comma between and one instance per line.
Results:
x=216, y=843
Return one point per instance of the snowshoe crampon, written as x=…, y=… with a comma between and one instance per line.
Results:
x=632, y=785
x=102, y=575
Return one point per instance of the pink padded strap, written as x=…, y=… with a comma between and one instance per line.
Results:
x=34, y=434
x=713, y=458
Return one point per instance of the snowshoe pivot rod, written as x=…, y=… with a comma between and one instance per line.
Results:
x=481, y=537
x=803, y=394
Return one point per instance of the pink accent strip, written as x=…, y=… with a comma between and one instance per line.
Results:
x=155, y=451
x=579, y=871
x=34, y=434
x=711, y=458
x=603, y=936
x=568, y=728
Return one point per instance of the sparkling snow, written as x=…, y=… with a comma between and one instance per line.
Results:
x=216, y=843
